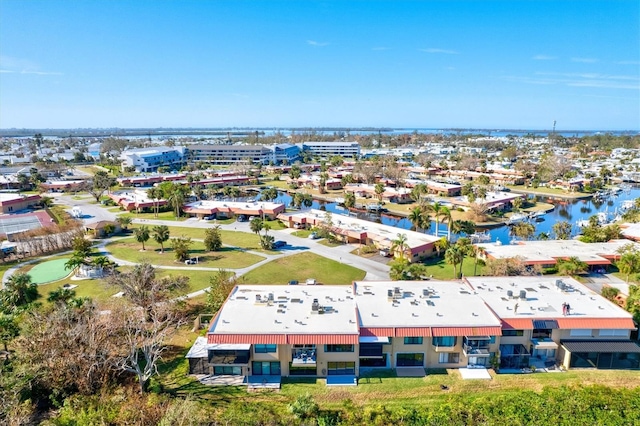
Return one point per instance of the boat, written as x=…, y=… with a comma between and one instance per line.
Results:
x=517, y=218
x=375, y=208
x=480, y=237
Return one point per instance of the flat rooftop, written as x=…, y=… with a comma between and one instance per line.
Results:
x=543, y=298
x=235, y=205
x=287, y=309
x=421, y=304
x=384, y=234
x=546, y=252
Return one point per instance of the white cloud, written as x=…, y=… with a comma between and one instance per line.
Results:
x=595, y=80
x=11, y=65
x=316, y=43
x=436, y=50
x=585, y=60
x=544, y=58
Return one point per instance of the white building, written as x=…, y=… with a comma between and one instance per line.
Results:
x=149, y=159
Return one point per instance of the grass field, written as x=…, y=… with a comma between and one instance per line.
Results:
x=302, y=266
x=441, y=270
x=129, y=249
x=382, y=388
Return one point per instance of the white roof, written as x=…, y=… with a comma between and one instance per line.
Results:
x=200, y=348
x=544, y=298
x=248, y=310
x=448, y=304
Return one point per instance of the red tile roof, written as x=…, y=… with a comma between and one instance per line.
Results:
x=466, y=331
x=413, y=331
x=517, y=323
x=596, y=323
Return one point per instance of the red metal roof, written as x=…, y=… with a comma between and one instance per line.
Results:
x=597, y=323
x=254, y=339
x=467, y=331
x=517, y=324
x=322, y=339
x=378, y=331
x=413, y=331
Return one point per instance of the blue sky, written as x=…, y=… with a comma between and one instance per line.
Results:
x=432, y=64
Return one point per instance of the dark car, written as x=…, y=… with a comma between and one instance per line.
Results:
x=279, y=244
x=293, y=282
x=242, y=218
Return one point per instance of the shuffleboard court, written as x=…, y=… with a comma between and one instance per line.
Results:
x=50, y=271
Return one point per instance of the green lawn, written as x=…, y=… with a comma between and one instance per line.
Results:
x=129, y=249
x=441, y=270
x=303, y=233
x=302, y=266
x=328, y=243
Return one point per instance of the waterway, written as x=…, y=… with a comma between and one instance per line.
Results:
x=571, y=211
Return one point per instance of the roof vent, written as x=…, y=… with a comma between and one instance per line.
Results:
x=509, y=294
x=271, y=297
x=523, y=294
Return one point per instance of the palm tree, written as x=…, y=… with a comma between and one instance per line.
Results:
x=445, y=215
x=523, y=230
x=154, y=193
x=101, y=262
x=161, y=234
x=454, y=256
x=379, y=189
x=629, y=263
x=572, y=266
x=416, y=217
x=142, y=235
x=176, y=199
x=562, y=230
x=61, y=295
x=75, y=262
x=441, y=246
x=256, y=225
x=463, y=227
x=436, y=209
x=349, y=200
x=124, y=221
x=19, y=291
x=466, y=248
x=400, y=245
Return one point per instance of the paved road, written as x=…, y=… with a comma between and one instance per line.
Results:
x=374, y=270
x=92, y=212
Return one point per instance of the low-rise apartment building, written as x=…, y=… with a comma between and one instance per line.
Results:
x=330, y=149
x=340, y=332
x=223, y=155
x=149, y=159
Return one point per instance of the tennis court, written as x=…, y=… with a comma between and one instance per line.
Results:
x=11, y=223
x=47, y=272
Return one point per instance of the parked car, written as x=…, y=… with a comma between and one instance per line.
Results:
x=313, y=236
x=293, y=282
x=191, y=261
x=242, y=218
x=311, y=281
x=279, y=244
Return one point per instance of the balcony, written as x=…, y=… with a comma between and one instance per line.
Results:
x=303, y=357
x=479, y=351
x=444, y=348
x=543, y=343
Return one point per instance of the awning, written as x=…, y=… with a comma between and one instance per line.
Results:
x=231, y=347
x=544, y=344
x=545, y=324
x=602, y=346
x=373, y=339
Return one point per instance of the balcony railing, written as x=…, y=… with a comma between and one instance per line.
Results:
x=470, y=350
x=303, y=357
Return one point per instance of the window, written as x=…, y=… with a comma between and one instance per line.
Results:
x=338, y=348
x=374, y=362
x=581, y=332
x=341, y=368
x=410, y=360
x=544, y=333
x=512, y=333
x=449, y=358
x=265, y=349
x=229, y=371
x=619, y=333
x=448, y=341
x=265, y=368
x=413, y=340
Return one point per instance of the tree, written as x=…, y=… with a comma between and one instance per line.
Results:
x=445, y=215
x=221, y=284
x=304, y=407
x=9, y=329
x=633, y=302
x=562, y=230
x=256, y=224
x=416, y=217
x=629, y=262
x=18, y=293
x=75, y=262
x=161, y=234
x=523, y=230
x=463, y=227
x=101, y=183
x=454, y=256
x=102, y=262
x=142, y=288
x=176, y=198
x=349, y=199
x=436, y=209
x=441, y=246
x=124, y=222
x=466, y=248
x=295, y=172
x=213, y=238
x=155, y=193
x=61, y=295
x=181, y=246
x=572, y=266
x=399, y=245
x=379, y=189
x=269, y=194
x=81, y=246
x=142, y=235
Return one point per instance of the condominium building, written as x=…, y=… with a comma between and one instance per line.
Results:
x=223, y=155
x=340, y=332
x=149, y=159
x=329, y=149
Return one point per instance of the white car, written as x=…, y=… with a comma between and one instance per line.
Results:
x=311, y=281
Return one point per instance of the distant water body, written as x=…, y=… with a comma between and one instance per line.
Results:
x=221, y=133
